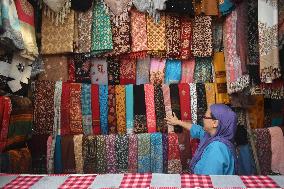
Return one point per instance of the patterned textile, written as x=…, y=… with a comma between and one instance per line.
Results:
x=174, y=163
x=68, y=155
x=75, y=109
x=150, y=108
x=129, y=104
x=55, y=68
x=160, y=109
x=71, y=70
x=172, y=71
x=165, y=152
x=95, y=109
x=121, y=152
x=192, y=181
x=226, y=6
x=101, y=161
x=173, y=36
x=139, y=109
x=120, y=108
x=144, y=153
x=113, y=71
x=156, y=153
x=268, y=40
x=65, y=109
x=84, y=42
x=43, y=103
x=79, y=162
x=185, y=38
x=263, y=148
x=256, y=112
x=5, y=112
x=133, y=153
x=57, y=39
x=207, y=7
x=111, y=110
x=86, y=109
x=210, y=93
x=253, y=46
x=277, y=149
x=25, y=13
x=157, y=71
x=175, y=104
x=203, y=70
x=184, y=95
x=167, y=103
x=103, y=91
x=89, y=154
x=187, y=67
x=236, y=78
x=78, y=182
x=24, y=182
x=111, y=160
x=193, y=102
x=258, y=182
x=101, y=30
x=99, y=72
x=185, y=149
x=82, y=68
x=217, y=33
x=142, y=71
x=156, y=34
x=201, y=102
x=202, y=36
x=58, y=156
x=127, y=71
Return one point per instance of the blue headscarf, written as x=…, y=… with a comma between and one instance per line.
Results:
x=225, y=132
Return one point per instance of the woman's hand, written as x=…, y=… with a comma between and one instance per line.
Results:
x=172, y=120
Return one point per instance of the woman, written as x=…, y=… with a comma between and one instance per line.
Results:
x=216, y=153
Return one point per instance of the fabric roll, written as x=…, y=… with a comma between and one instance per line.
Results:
x=58, y=156
x=101, y=161
x=120, y=108
x=82, y=65
x=201, y=102
x=174, y=163
x=133, y=154
x=185, y=38
x=127, y=71
x=86, y=109
x=202, y=46
x=253, y=44
x=156, y=153
x=175, y=104
x=121, y=152
x=68, y=155
x=129, y=108
x=187, y=68
x=65, y=110
x=185, y=149
x=150, y=108
x=99, y=71
x=165, y=152
x=44, y=110
x=5, y=112
x=173, y=36
x=95, y=109
x=193, y=102
x=113, y=71
x=172, y=71
x=203, y=70
x=160, y=109
x=79, y=162
x=256, y=112
x=111, y=160
x=75, y=109
x=139, y=109
x=112, y=110
x=184, y=95
x=144, y=153
x=157, y=71
x=89, y=154
x=167, y=102
x=103, y=96
x=142, y=71
x=210, y=94
x=226, y=6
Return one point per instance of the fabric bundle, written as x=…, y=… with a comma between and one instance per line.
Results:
x=71, y=70
x=68, y=155
x=201, y=102
x=111, y=110
x=184, y=95
x=156, y=153
x=157, y=71
x=172, y=71
x=95, y=109
x=86, y=109
x=129, y=108
x=121, y=152
x=142, y=71
x=185, y=38
x=89, y=154
x=20, y=161
x=101, y=160
x=167, y=102
x=139, y=109
x=165, y=152
x=187, y=69
x=133, y=153
x=99, y=71
x=277, y=149
x=111, y=160
x=226, y=6
x=160, y=109
x=79, y=162
x=203, y=70
x=150, y=108
x=175, y=104
x=193, y=102
x=82, y=65
x=217, y=33
x=65, y=109
x=210, y=93
x=113, y=71
x=144, y=153
x=75, y=109
x=58, y=167
x=256, y=112
x=5, y=112
x=103, y=96
x=185, y=149
x=174, y=163
x=120, y=108
x=127, y=71
x=206, y=7
x=173, y=36
x=57, y=10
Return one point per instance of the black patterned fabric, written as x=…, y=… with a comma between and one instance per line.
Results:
x=160, y=110
x=113, y=71
x=201, y=102
x=139, y=109
x=175, y=103
x=183, y=7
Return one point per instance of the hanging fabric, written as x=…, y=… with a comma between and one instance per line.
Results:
x=165, y=152
x=187, y=69
x=103, y=96
x=253, y=45
x=111, y=160
x=277, y=149
x=86, y=109
x=167, y=103
x=280, y=24
x=151, y=7
x=6, y=59
x=65, y=109
x=71, y=70
x=206, y=7
x=99, y=71
x=174, y=163
x=121, y=152
x=37, y=145
x=185, y=38
x=129, y=108
x=210, y=93
x=95, y=109
x=193, y=102
x=225, y=7
x=185, y=149
x=133, y=154
x=139, y=109
x=180, y=7
x=202, y=36
x=77, y=139
x=75, y=109
x=160, y=109
x=5, y=112
x=68, y=155
x=113, y=71
x=43, y=111
x=81, y=6
x=175, y=104
x=20, y=161
x=101, y=160
x=184, y=95
x=89, y=154
x=82, y=68
x=150, y=108
x=157, y=71
x=173, y=35
x=172, y=71
x=217, y=33
x=144, y=153
x=201, y=102
x=156, y=153
x=203, y=70
x=25, y=13
x=120, y=108
x=142, y=71
x=111, y=110
x=57, y=10
x=127, y=71
x=256, y=112
x=58, y=168
x=57, y=39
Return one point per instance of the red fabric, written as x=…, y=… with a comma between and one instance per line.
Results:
x=23, y=182
x=78, y=182
x=127, y=71
x=184, y=95
x=258, y=182
x=196, y=181
x=173, y=152
x=111, y=110
x=25, y=11
x=6, y=107
x=71, y=70
x=194, y=142
x=150, y=108
x=95, y=110
x=186, y=33
x=142, y=180
x=76, y=122
x=65, y=107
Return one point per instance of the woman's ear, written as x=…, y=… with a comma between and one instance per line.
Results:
x=215, y=123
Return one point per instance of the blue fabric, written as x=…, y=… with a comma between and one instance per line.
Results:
x=156, y=153
x=216, y=158
x=86, y=108
x=226, y=7
x=129, y=108
x=103, y=90
x=277, y=121
x=57, y=156
x=246, y=165
x=4, y=163
x=144, y=153
x=172, y=71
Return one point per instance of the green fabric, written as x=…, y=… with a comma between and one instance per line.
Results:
x=101, y=30
x=203, y=70
x=20, y=128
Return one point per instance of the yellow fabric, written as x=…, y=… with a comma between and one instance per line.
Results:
x=256, y=112
x=210, y=93
x=120, y=108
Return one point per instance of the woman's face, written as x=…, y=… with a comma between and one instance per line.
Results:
x=210, y=125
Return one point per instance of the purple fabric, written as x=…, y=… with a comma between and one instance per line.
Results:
x=225, y=132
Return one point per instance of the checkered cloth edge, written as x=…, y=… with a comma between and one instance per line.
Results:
x=136, y=180
x=78, y=182
x=258, y=182
x=191, y=181
x=23, y=182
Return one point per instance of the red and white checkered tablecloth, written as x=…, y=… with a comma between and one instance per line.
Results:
x=23, y=182
x=136, y=180
x=78, y=182
x=259, y=182
x=192, y=181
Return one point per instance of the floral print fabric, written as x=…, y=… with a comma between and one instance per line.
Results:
x=75, y=109
x=144, y=153
x=150, y=108
x=157, y=71
x=203, y=70
x=187, y=68
x=120, y=108
x=99, y=72
x=103, y=92
x=173, y=33
x=111, y=110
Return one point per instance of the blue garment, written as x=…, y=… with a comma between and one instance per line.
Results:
x=246, y=165
x=156, y=153
x=216, y=158
x=173, y=71
x=58, y=158
x=129, y=108
x=103, y=91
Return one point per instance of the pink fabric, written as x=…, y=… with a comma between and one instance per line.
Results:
x=150, y=108
x=167, y=103
x=133, y=154
x=277, y=148
x=157, y=71
x=187, y=71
